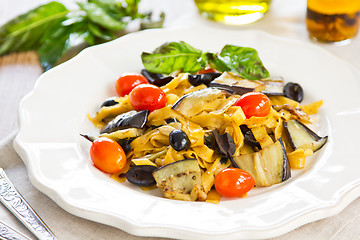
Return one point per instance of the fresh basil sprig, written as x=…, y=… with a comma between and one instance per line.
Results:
x=25, y=32
x=172, y=56
x=180, y=56
x=244, y=61
x=52, y=29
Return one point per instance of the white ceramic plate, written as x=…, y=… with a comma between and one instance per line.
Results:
x=57, y=158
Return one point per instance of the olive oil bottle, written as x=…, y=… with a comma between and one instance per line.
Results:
x=233, y=12
x=333, y=20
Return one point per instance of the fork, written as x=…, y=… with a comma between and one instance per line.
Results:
x=13, y=200
x=8, y=233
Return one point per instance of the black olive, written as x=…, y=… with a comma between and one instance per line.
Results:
x=224, y=143
x=249, y=137
x=156, y=78
x=179, y=140
x=125, y=144
x=150, y=75
x=109, y=102
x=294, y=91
x=171, y=120
x=141, y=175
x=205, y=78
x=194, y=80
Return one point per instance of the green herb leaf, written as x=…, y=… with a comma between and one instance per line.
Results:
x=59, y=39
x=171, y=57
x=52, y=30
x=101, y=16
x=26, y=31
x=239, y=60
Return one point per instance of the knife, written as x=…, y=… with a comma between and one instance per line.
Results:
x=13, y=200
x=8, y=233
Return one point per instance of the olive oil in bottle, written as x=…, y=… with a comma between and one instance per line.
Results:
x=233, y=12
x=333, y=20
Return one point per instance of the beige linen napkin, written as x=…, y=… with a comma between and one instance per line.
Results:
x=343, y=226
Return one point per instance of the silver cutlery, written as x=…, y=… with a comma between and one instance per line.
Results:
x=8, y=233
x=13, y=200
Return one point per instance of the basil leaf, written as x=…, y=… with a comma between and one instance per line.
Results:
x=99, y=32
x=26, y=31
x=59, y=39
x=52, y=30
x=171, y=57
x=117, y=9
x=244, y=61
x=99, y=15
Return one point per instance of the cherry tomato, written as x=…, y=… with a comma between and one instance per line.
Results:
x=206, y=70
x=126, y=83
x=233, y=182
x=107, y=155
x=254, y=104
x=147, y=96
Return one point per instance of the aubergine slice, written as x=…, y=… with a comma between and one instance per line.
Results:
x=301, y=136
x=131, y=119
x=237, y=84
x=195, y=102
x=178, y=180
x=273, y=86
x=268, y=166
x=298, y=113
x=119, y=135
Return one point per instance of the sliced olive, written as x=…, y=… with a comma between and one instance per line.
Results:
x=141, y=175
x=171, y=120
x=249, y=137
x=156, y=78
x=294, y=91
x=151, y=75
x=205, y=78
x=109, y=102
x=179, y=140
x=224, y=143
x=125, y=144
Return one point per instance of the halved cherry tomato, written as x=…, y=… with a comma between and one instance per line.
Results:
x=147, y=96
x=254, y=104
x=107, y=155
x=233, y=182
x=126, y=83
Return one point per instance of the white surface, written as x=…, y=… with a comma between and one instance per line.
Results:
x=57, y=157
